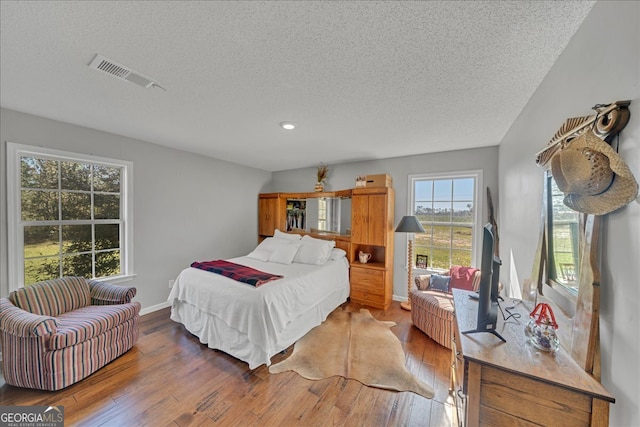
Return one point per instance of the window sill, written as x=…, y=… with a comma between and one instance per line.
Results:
x=118, y=279
x=428, y=271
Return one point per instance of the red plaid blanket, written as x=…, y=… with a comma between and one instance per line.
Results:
x=238, y=272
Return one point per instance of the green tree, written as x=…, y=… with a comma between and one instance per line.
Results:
x=62, y=191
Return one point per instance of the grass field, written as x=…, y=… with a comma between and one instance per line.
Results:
x=437, y=241
x=41, y=249
x=42, y=262
x=565, y=265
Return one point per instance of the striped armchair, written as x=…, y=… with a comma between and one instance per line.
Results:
x=432, y=310
x=57, y=332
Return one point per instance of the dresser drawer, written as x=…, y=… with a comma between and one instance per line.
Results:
x=368, y=287
x=377, y=301
x=367, y=280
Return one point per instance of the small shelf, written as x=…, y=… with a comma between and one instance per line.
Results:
x=378, y=253
x=373, y=265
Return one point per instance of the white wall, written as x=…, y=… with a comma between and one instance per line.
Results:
x=343, y=176
x=601, y=64
x=186, y=207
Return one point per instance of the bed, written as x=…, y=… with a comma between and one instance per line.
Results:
x=255, y=323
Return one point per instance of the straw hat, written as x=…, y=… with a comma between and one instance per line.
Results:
x=592, y=176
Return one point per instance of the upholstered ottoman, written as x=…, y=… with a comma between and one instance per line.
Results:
x=432, y=310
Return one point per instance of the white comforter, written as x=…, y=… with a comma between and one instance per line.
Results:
x=263, y=313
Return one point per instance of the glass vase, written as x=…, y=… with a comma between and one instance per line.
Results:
x=544, y=337
x=541, y=328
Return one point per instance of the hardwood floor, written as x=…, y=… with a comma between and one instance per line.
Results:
x=170, y=379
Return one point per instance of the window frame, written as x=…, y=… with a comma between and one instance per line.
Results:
x=476, y=235
x=15, y=225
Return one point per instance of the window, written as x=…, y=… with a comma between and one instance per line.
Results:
x=322, y=214
x=69, y=215
x=563, y=242
x=448, y=207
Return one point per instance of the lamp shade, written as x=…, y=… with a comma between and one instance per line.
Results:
x=409, y=224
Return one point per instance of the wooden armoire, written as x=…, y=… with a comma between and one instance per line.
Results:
x=372, y=224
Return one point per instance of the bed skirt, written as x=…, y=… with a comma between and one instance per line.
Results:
x=218, y=335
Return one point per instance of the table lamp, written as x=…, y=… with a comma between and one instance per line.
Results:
x=409, y=224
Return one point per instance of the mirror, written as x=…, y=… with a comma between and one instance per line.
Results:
x=320, y=215
x=563, y=245
x=566, y=264
x=566, y=274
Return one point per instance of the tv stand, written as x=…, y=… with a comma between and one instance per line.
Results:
x=491, y=331
x=513, y=383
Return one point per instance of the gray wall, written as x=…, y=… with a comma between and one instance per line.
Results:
x=601, y=64
x=186, y=207
x=343, y=176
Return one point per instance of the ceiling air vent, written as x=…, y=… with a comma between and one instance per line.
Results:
x=122, y=72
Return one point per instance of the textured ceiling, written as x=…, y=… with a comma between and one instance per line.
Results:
x=363, y=80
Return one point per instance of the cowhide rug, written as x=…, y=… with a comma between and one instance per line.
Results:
x=357, y=346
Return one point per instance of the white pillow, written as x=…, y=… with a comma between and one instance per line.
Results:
x=284, y=252
x=314, y=251
x=337, y=253
x=264, y=249
x=286, y=236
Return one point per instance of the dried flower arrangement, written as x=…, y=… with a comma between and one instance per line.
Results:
x=322, y=173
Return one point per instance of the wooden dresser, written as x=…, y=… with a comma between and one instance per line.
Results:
x=513, y=383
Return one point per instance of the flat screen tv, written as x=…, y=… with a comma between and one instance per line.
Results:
x=489, y=280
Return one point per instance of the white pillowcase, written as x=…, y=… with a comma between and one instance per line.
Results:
x=337, y=253
x=284, y=252
x=306, y=250
x=313, y=251
x=271, y=249
x=264, y=249
x=286, y=236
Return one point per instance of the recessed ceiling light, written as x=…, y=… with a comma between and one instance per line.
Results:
x=288, y=125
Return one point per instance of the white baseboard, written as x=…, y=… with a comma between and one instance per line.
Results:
x=154, y=308
x=395, y=297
